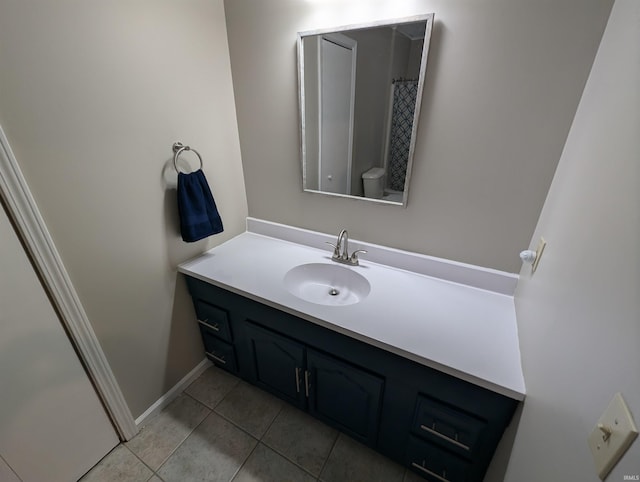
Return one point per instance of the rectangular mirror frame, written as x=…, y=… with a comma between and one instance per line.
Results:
x=428, y=19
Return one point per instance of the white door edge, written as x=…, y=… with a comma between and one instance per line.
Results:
x=26, y=216
x=351, y=45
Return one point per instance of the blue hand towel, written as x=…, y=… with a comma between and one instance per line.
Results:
x=199, y=216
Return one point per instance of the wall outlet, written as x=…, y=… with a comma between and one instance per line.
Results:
x=612, y=436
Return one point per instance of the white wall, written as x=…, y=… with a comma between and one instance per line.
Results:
x=94, y=93
x=579, y=314
x=503, y=82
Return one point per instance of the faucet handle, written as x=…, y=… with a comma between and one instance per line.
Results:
x=354, y=256
x=336, y=252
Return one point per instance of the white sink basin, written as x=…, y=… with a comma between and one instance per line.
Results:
x=326, y=284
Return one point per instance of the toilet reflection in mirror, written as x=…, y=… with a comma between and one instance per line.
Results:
x=360, y=90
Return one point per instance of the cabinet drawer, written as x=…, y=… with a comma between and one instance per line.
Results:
x=214, y=319
x=434, y=463
x=219, y=352
x=453, y=429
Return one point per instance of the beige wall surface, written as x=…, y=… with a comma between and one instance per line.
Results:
x=578, y=314
x=503, y=82
x=93, y=94
x=415, y=58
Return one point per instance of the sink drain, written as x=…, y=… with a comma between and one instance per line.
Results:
x=333, y=292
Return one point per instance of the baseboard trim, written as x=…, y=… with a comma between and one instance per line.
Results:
x=176, y=390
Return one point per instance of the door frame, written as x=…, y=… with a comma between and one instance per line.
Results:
x=33, y=231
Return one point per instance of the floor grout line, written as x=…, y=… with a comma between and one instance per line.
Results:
x=239, y=381
x=235, y=425
x=193, y=397
x=238, y=426
x=245, y=461
x=329, y=456
x=282, y=454
x=224, y=417
x=13, y=471
x=181, y=442
x=136, y=456
x=272, y=422
x=164, y=461
x=286, y=457
x=155, y=472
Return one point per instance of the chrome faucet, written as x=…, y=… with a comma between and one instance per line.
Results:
x=341, y=250
x=343, y=237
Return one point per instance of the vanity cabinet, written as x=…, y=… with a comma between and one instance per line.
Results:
x=444, y=440
x=441, y=427
x=345, y=396
x=277, y=364
x=331, y=389
x=215, y=329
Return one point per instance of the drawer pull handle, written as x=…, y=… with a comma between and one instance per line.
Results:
x=215, y=327
x=297, y=379
x=432, y=431
x=306, y=382
x=429, y=472
x=216, y=358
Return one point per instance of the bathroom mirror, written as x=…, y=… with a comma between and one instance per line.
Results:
x=360, y=90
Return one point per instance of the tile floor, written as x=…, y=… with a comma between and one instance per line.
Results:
x=223, y=429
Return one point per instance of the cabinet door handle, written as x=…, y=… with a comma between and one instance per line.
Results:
x=307, y=374
x=433, y=431
x=429, y=472
x=215, y=327
x=216, y=358
x=297, y=379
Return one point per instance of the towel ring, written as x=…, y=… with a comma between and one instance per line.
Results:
x=178, y=147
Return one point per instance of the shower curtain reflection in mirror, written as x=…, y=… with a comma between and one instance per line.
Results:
x=403, y=106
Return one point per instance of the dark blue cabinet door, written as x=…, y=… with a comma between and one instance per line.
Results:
x=278, y=364
x=344, y=396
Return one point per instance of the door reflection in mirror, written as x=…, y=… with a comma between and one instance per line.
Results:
x=337, y=102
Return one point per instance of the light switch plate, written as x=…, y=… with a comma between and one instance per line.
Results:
x=618, y=422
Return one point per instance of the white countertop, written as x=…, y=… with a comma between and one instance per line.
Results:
x=461, y=330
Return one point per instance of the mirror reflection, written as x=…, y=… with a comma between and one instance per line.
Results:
x=360, y=92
